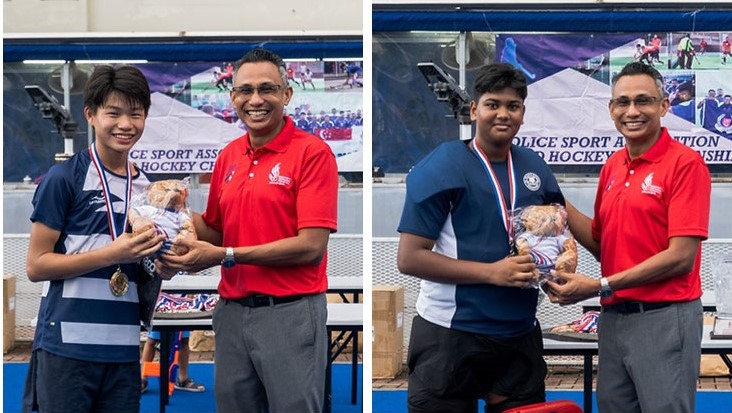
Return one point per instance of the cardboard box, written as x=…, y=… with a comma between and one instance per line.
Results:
x=388, y=335
x=8, y=313
x=202, y=340
x=712, y=365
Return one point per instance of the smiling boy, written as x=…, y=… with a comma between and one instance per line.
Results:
x=86, y=349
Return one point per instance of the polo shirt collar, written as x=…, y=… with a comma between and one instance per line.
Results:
x=279, y=143
x=656, y=152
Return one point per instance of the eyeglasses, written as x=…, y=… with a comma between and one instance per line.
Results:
x=640, y=101
x=266, y=89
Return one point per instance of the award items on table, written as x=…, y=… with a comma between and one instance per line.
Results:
x=721, y=267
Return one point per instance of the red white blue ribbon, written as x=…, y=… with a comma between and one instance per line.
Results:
x=504, y=210
x=107, y=192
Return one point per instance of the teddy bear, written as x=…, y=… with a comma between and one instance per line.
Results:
x=164, y=206
x=543, y=233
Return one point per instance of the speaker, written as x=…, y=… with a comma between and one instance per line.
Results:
x=481, y=51
x=78, y=79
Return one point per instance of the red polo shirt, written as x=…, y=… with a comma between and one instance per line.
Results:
x=264, y=195
x=642, y=203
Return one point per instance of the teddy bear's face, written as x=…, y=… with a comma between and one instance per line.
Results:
x=168, y=194
x=542, y=220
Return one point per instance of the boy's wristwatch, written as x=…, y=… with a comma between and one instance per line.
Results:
x=228, y=260
x=605, y=289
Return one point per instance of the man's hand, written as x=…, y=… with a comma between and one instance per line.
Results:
x=128, y=248
x=571, y=288
x=200, y=255
x=515, y=271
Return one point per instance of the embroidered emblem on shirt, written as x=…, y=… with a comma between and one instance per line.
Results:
x=532, y=181
x=610, y=184
x=648, y=188
x=98, y=199
x=276, y=179
x=230, y=173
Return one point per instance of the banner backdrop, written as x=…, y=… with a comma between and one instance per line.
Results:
x=567, y=119
x=192, y=118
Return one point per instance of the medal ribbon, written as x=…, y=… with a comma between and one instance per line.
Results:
x=504, y=211
x=107, y=192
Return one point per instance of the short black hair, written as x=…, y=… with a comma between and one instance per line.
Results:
x=638, y=68
x=495, y=77
x=263, y=55
x=126, y=81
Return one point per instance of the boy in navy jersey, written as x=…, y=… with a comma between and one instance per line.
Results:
x=476, y=334
x=86, y=350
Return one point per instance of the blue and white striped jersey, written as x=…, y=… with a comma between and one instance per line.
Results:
x=79, y=317
x=450, y=199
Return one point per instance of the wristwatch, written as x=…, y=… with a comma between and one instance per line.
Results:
x=605, y=289
x=228, y=260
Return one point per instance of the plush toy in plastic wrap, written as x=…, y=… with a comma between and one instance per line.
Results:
x=542, y=232
x=164, y=206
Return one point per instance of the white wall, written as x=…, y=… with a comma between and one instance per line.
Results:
x=225, y=16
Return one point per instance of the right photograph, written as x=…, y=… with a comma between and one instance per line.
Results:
x=549, y=194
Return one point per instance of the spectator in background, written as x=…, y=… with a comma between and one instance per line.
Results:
x=182, y=381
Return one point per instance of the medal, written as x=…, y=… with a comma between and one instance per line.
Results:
x=119, y=284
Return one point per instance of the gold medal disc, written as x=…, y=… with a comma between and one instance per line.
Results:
x=119, y=284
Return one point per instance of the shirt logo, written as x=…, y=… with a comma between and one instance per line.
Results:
x=648, y=188
x=532, y=181
x=98, y=199
x=610, y=184
x=230, y=173
x=276, y=179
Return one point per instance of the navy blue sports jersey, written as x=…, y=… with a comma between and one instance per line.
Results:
x=79, y=317
x=450, y=200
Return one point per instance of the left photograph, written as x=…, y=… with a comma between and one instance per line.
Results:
x=183, y=208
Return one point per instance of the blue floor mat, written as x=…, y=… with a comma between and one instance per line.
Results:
x=182, y=401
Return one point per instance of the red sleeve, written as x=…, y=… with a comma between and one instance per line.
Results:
x=317, y=198
x=689, y=202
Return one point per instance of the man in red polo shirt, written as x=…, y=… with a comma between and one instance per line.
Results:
x=651, y=214
x=271, y=208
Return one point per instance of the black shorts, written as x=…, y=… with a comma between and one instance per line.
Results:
x=450, y=370
x=59, y=384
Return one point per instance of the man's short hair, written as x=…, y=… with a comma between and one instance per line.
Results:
x=126, y=81
x=495, y=77
x=638, y=68
x=264, y=55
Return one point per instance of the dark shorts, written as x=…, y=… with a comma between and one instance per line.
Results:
x=60, y=384
x=450, y=370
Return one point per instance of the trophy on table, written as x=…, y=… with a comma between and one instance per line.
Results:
x=722, y=273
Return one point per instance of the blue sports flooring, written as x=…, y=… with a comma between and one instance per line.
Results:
x=395, y=401
x=182, y=401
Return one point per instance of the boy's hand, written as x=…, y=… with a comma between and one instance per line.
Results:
x=128, y=248
x=514, y=271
